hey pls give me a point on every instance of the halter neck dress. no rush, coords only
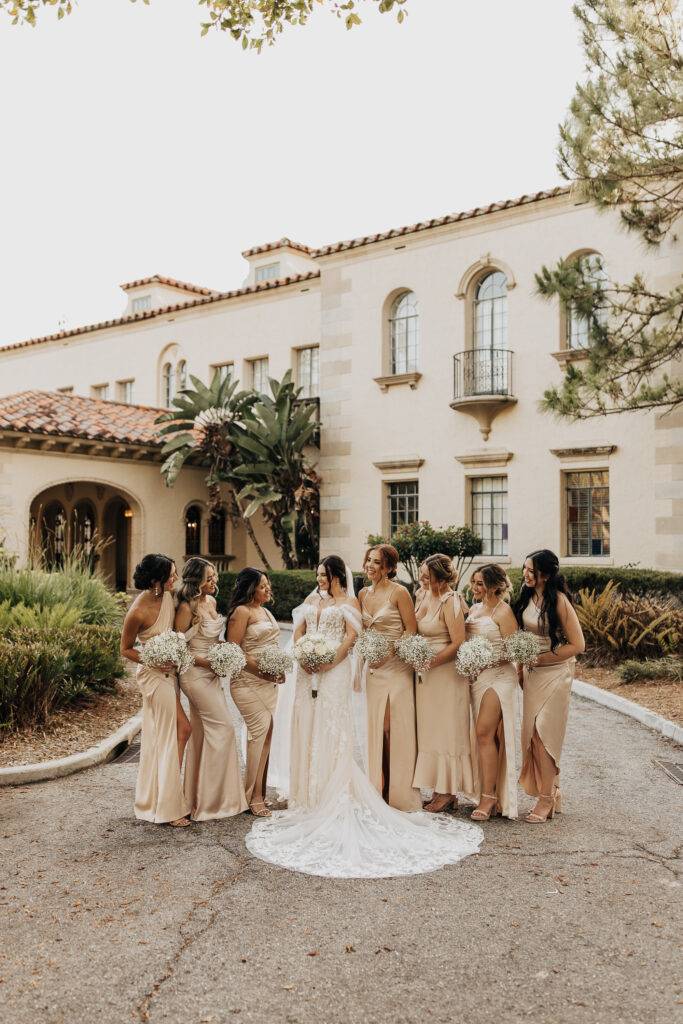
(159, 793)
(393, 684)
(502, 678)
(256, 698)
(213, 780)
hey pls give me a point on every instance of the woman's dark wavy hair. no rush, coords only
(152, 569)
(335, 568)
(245, 587)
(548, 564)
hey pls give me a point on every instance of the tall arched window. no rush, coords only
(217, 533)
(167, 382)
(578, 325)
(403, 321)
(181, 374)
(193, 530)
(490, 362)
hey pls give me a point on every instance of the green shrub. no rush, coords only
(74, 586)
(660, 668)
(616, 627)
(633, 582)
(290, 588)
(60, 615)
(416, 541)
(45, 669)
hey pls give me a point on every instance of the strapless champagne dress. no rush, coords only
(393, 682)
(159, 793)
(213, 780)
(256, 699)
(501, 678)
(547, 695)
(442, 700)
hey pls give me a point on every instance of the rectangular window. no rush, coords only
(259, 374)
(125, 391)
(225, 370)
(588, 513)
(100, 391)
(490, 513)
(308, 371)
(142, 303)
(267, 273)
(403, 505)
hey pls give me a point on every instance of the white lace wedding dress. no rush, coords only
(342, 828)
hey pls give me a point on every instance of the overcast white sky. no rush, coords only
(132, 147)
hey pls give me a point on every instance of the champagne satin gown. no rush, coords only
(442, 701)
(256, 699)
(547, 695)
(213, 780)
(393, 682)
(159, 793)
(501, 678)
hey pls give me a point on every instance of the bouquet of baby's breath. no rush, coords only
(415, 650)
(274, 662)
(165, 647)
(474, 656)
(226, 660)
(372, 646)
(522, 647)
(312, 650)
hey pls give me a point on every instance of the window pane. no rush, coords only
(259, 375)
(588, 513)
(489, 513)
(308, 371)
(267, 273)
(403, 504)
(403, 323)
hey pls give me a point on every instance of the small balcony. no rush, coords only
(482, 384)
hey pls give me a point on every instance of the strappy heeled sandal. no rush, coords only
(535, 819)
(451, 802)
(492, 812)
(180, 823)
(265, 813)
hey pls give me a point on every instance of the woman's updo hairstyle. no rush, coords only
(245, 587)
(193, 576)
(335, 568)
(441, 568)
(495, 579)
(152, 569)
(388, 555)
(546, 563)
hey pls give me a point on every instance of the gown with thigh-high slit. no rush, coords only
(213, 780)
(502, 679)
(349, 831)
(442, 701)
(256, 698)
(159, 793)
(547, 695)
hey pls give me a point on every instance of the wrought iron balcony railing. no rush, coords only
(482, 372)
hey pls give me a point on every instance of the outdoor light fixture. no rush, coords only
(128, 513)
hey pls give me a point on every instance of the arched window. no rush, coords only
(193, 530)
(217, 533)
(181, 375)
(167, 388)
(489, 317)
(578, 325)
(404, 331)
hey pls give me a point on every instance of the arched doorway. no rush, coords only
(116, 528)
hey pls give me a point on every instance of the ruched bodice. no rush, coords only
(259, 635)
(164, 619)
(531, 617)
(204, 634)
(484, 625)
(387, 620)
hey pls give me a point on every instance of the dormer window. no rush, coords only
(142, 303)
(268, 272)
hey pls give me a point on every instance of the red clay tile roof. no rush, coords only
(58, 415)
(284, 243)
(171, 283)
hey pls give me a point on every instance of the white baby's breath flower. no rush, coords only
(166, 647)
(474, 656)
(372, 646)
(226, 660)
(522, 647)
(274, 662)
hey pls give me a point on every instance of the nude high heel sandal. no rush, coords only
(536, 819)
(493, 812)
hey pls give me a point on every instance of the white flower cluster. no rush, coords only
(522, 647)
(415, 650)
(372, 646)
(474, 656)
(226, 660)
(213, 417)
(312, 650)
(274, 662)
(165, 647)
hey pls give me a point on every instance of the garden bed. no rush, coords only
(663, 696)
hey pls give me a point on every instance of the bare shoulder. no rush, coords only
(241, 614)
(362, 594)
(399, 592)
(352, 602)
(311, 599)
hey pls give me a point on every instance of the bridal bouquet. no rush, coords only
(226, 660)
(168, 646)
(372, 646)
(415, 650)
(522, 647)
(474, 656)
(312, 650)
(274, 662)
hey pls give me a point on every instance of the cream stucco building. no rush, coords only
(428, 350)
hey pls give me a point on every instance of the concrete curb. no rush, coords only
(101, 752)
(649, 719)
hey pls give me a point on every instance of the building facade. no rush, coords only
(428, 348)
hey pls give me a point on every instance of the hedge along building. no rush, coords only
(427, 349)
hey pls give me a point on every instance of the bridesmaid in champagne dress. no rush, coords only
(213, 781)
(545, 608)
(165, 729)
(494, 697)
(392, 747)
(442, 699)
(252, 626)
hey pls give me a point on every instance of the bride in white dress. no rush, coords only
(340, 827)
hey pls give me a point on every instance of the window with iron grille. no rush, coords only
(403, 505)
(308, 371)
(404, 324)
(490, 513)
(259, 375)
(588, 513)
